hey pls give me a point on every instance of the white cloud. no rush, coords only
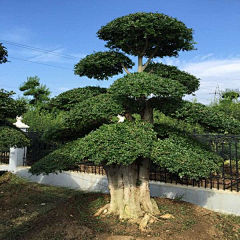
(215, 68)
(213, 71)
(17, 35)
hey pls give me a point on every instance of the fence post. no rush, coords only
(18, 155)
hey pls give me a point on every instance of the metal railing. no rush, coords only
(227, 146)
(4, 157)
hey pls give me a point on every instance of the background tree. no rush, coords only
(127, 149)
(39, 92)
(3, 54)
(10, 108)
(228, 104)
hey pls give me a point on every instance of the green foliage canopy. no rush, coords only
(3, 54)
(102, 65)
(124, 143)
(211, 119)
(148, 35)
(9, 107)
(32, 87)
(230, 94)
(144, 84)
(86, 116)
(119, 143)
(173, 73)
(183, 155)
(12, 137)
(66, 100)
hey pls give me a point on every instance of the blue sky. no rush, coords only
(69, 27)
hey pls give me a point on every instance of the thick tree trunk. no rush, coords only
(129, 185)
(129, 190)
(147, 113)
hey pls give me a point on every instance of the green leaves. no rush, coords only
(3, 54)
(119, 143)
(124, 143)
(173, 73)
(144, 84)
(66, 100)
(9, 107)
(186, 157)
(93, 112)
(40, 93)
(102, 65)
(12, 137)
(210, 118)
(147, 34)
(56, 161)
(85, 117)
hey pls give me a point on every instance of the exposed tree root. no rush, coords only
(130, 194)
(143, 222)
(102, 210)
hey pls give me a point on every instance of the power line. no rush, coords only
(40, 50)
(41, 63)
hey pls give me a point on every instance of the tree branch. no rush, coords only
(125, 69)
(140, 66)
(145, 47)
(150, 58)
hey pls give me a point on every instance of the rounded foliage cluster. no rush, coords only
(119, 143)
(172, 72)
(93, 112)
(57, 161)
(9, 107)
(184, 156)
(102, 65)
(147, 34)
(210, 118)
(230, 95)
(124, 143)
(84, 117)
(145, 84)
(66, 100)
(12, 137)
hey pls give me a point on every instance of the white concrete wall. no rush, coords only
(16, 156)
(213, 199)
(4, 167)
(75, 180)
(216, 200)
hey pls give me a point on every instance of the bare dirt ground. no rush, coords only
(34, 211)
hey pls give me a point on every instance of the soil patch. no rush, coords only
(34, 211)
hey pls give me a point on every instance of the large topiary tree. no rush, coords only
(126, 149)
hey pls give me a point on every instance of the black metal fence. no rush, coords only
(38, 148)
(227, 146)
(4, 157)
(227, 178)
